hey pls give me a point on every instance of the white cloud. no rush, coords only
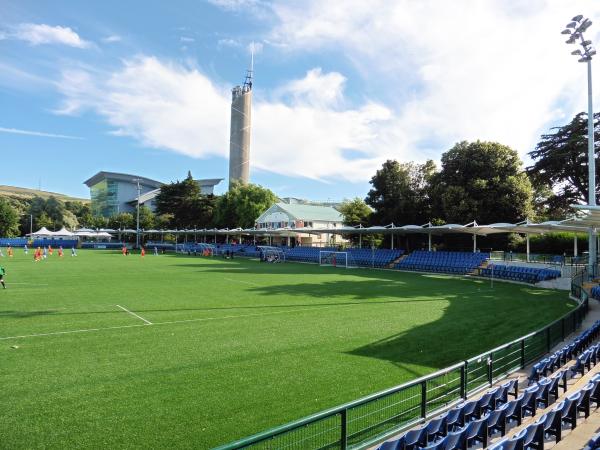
(37, 133)
(228, 42)
(112, 38)
(442, 71)
(176, 108)
(37, 34)
(489, 69)
(186, 39)
(235, 5)
(316, 89)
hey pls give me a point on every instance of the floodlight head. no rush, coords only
(565, 31)
(591, 53)
(577, 18)
(586, 43)
(576, 52)
(572, 25)
(571, 40)
(584, 59)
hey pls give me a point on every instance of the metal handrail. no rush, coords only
(482, 381)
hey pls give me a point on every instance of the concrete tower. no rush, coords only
(239, 137)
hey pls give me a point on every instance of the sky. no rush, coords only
(144, 87)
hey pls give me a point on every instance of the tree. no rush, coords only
(9, 220)
(400, 193)
(242, 204)
(121, 221)
(482, 181)
(185, 204)
(147, 218)
(355, 212)
(43, 220)
(560, 165)
(55, 215)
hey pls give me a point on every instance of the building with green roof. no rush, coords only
(296, 216)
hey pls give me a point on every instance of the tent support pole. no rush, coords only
(429, 234)
(527, 247)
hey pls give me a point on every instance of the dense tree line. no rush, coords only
(484, 182)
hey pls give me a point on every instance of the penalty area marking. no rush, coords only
(242, 281)
(171, 322)
(134, 314)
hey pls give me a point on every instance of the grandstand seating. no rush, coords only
(65, 243)
(474, 422)
(596, 292)
(566, 353)
(593, 443)
(14, 242)
(443, 261)
(102, 245)
(520, 273)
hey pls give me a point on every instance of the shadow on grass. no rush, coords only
(22, 314)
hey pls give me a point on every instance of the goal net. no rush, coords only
(206, 249)
(335, 259)
(271, 254)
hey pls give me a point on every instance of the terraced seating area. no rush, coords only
(595, 292)
(519, 273)
(476, 422)
(445, 262)
(14, 242)
(593, 443)
(366, 257)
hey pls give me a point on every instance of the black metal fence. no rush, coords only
(364, 422)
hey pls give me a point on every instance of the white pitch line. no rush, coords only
(85, 330)
(203, 319)
(242, 281)
(134, 314)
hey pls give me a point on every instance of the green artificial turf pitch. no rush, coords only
(235, 346)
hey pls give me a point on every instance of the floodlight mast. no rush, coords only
(137, 228)
(575, 30)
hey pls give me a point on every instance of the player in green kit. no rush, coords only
(2, 272)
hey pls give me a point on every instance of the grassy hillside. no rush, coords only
(19, 193)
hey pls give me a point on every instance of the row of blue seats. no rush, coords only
(550, 424)
(466, 424)
(480, 423)
(13, 242)
(593, 443)
(596, 292)
(445, 262)
(21, 242)
(101, 245)
(485, 418)
(586, 360)
(520, 273)
(566, 353)
(65, 243)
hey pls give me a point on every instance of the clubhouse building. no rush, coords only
(295, 216)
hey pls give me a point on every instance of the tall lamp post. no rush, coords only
(575, 30)
(30, 222)
(137, 228)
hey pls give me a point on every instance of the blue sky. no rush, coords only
(340, 86)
